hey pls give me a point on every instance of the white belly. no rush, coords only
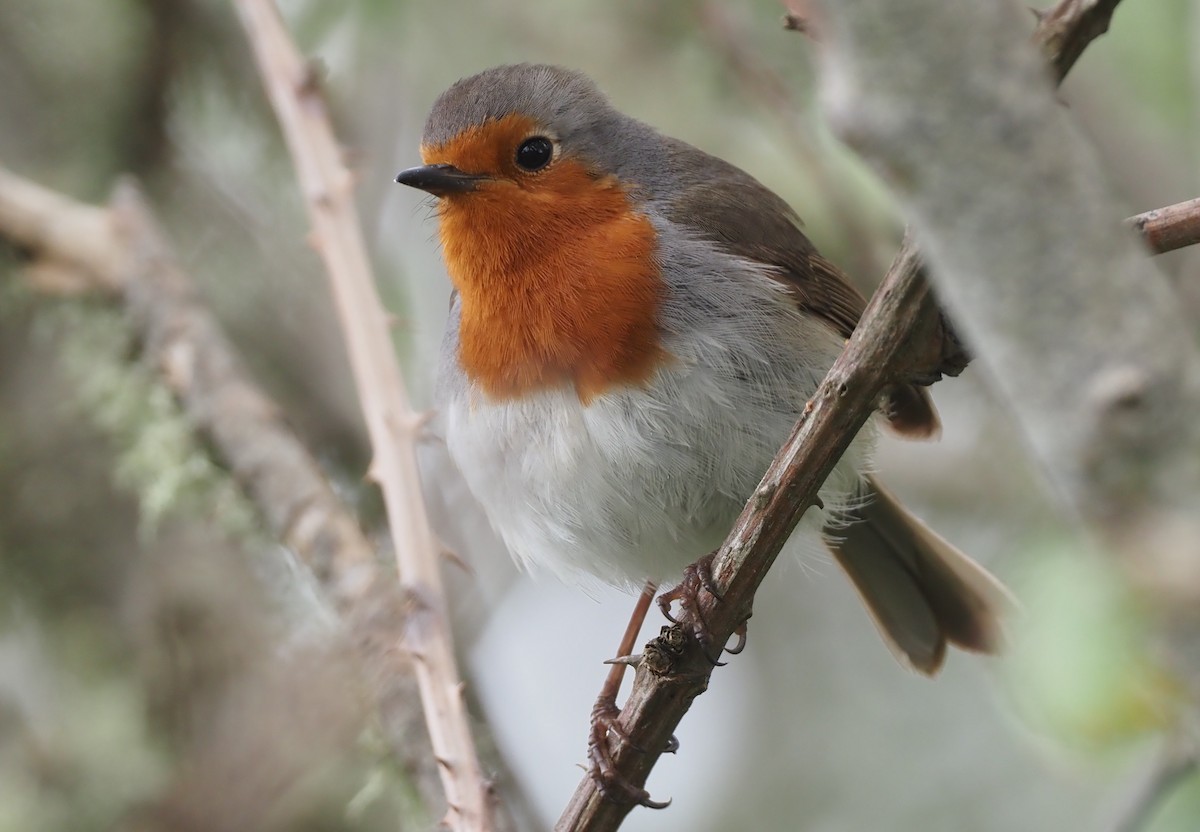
(635, 485)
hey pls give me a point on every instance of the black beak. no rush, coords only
(440, 179)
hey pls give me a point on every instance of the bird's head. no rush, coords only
(556, 266)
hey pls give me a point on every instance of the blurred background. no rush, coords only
(156, 644)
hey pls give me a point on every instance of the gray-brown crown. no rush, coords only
(566, 104)
(563, 101)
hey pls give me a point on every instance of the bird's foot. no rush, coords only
(696, 577)
(613, 785)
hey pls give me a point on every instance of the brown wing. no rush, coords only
(731, 208)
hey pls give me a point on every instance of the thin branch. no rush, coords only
(78, 241)
(327, 186)
(1166, 229)
(900, 337)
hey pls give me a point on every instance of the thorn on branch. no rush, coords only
(372, 474)
(794, 21)
(453, 557)
(420, 421)
(312, 81)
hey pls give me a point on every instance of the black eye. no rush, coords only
(535, 153)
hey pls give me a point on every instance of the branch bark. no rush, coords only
(327, 186)
(901, 337)
(1170, 228)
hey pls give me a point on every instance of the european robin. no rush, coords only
(636, 327)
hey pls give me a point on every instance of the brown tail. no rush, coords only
(921, 591)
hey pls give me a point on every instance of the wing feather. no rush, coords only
(733, 209)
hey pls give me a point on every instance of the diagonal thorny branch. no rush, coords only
(328, 190)
(900, 338)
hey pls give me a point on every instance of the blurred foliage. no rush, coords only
(1082, 666)
(145, 670)
(79, 758)
(158, 457)
(1160, 71)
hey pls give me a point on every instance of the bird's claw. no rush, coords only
(698, 576)
(613, 785)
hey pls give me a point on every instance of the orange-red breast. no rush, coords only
(636, 327)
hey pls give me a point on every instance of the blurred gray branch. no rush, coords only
(1077, 328)
(120, 250)
(1079, 332)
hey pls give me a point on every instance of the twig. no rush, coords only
(77, 241)
(393, 426)
(1166, 229)
(1065, 30)
(899, 338)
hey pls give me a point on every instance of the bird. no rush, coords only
(635, 328)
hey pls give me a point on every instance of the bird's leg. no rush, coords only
(605, 713)
(699, 576)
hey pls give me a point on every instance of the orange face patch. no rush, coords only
(557, 273)
(488, 148)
